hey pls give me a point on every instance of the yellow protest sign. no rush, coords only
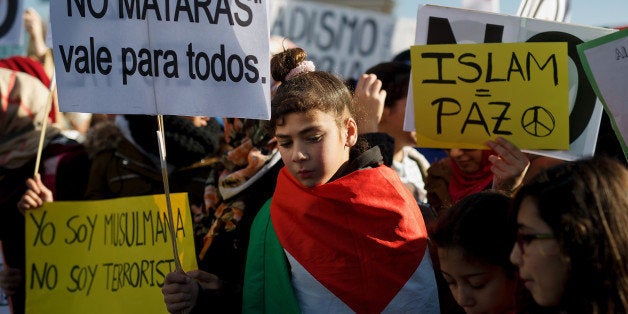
(466, 94)
(106, 256)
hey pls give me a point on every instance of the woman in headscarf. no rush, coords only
(467, 171)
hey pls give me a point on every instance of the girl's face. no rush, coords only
(543, 268)
(313, 147)
(468, 160)
(477, 286)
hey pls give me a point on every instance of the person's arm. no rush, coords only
(369, 99)
(509, 165)
(35, 28)
(36, 194)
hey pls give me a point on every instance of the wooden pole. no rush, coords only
(42, 134)
(164, 172)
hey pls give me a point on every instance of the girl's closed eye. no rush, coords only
(315, 138)
(285, 144)
(477, 284)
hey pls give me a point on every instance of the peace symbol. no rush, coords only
(538, 121)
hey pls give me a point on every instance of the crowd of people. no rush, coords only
(329, 207)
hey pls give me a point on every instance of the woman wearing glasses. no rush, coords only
(572, 226)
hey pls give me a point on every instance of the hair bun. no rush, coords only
(282, 63)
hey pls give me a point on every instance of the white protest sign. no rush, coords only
(442, 25)
(192, 58)
(403, 36)
(606, 62)
(341, 40)
(11, 29)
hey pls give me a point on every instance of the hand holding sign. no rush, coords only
(509, 166)
(180, 290)
(35, 196)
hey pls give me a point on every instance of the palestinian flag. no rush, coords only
(357, 244)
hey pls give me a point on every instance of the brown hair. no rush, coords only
(585, 203)
(310, 90)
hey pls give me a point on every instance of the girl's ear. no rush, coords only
(351, 136)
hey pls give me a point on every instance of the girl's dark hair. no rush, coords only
(306, 91)
(480, 226)
(585, 203)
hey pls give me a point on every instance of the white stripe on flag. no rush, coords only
(418, 295)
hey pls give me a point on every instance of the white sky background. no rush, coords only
(583, 12)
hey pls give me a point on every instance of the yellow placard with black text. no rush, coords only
(466, 94)
(107, 256)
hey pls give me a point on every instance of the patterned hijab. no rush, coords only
(23, 100)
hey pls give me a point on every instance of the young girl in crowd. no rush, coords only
(474, 240)
(572, 237)
(341, 233)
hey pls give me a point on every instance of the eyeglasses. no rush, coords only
(525, 239)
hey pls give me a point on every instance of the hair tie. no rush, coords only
(303, 67)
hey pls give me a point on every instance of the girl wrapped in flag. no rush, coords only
(341, 233)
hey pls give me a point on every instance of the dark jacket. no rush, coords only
(63, 167)
(120, 169)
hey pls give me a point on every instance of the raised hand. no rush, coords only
(509, 165)
(35, 28)
(369, 98)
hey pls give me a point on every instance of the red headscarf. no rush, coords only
(33, 68)
(463, 184)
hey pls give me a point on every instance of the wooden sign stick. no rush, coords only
(42, 134)
(164, 172)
